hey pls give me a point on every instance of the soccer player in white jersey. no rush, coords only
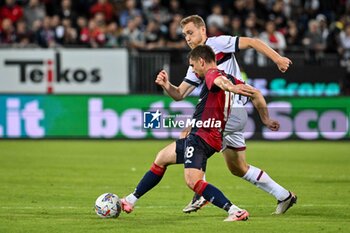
(194, 31)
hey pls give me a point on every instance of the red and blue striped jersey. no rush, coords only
(213, 109)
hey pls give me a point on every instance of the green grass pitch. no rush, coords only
(51, 186)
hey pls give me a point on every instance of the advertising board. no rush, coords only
(64, 71)
(127, 117)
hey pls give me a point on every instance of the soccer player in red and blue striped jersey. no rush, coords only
(205, 138)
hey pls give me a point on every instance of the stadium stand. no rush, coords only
(309, 31)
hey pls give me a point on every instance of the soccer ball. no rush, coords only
(108, 205)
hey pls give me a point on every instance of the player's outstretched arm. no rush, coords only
(282, 63)
(177, 93)
(227, 85)
(256, 96)
(259, 103)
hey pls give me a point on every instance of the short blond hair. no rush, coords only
(195, 19)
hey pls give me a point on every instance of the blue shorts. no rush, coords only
(193, 152)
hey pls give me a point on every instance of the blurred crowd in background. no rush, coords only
(315, 26)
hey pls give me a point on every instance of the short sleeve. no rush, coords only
(191, 78)
(225, 44)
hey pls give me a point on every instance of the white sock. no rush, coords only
(233, 209)
(131, 199)
(263, 181)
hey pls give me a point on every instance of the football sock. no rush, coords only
(149, 180)
(212, 194)
(196, 196)
(131, 199)
(263, 181)
(233, 209)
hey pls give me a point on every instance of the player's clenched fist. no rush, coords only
(283, 64)
(272, 125)
(162, 78)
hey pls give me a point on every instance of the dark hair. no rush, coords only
(204, 52)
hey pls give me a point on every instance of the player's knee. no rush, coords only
(163, 159)
(160, 159)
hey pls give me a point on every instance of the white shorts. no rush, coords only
(233, 137)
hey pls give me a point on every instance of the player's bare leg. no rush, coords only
(195, 182)
(237, 165)
(236, 162)
(196, 203)
(165, 157)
